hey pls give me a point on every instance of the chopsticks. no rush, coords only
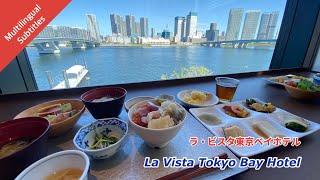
(191, 172)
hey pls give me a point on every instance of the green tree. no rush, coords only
(192, 71)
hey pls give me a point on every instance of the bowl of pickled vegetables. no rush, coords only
(62, 114)
(304, 89)
(101, 139)
(157, 122)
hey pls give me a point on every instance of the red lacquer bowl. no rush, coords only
(104, 109)
(34, 128)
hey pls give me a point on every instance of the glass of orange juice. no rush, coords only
(226, 88)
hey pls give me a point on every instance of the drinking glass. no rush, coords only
(226, 88)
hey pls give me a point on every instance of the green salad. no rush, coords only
(102, 141)
(306, 84)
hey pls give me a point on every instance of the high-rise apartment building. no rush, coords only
(213, 33)
(144, 27)
(137, 29)
(272, 25)
(116, 24)
(130, 25)
(213, 26)
(191, 24)
(250, 25)
(268, 25)
(179, 28)
(234, 24)
(93, 27)
(153, 33)
(166, 34)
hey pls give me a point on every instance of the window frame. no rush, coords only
(284, 45)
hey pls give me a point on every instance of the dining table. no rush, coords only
(128, 163)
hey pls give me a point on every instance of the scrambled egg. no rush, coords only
(195, 97)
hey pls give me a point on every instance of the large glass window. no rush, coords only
(122, 41)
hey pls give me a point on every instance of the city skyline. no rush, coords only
(160, 15)
(185, 28)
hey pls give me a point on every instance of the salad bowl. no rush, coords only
(305, 89)
(88, 138)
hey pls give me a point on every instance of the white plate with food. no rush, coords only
(197, 98)
(252, 118)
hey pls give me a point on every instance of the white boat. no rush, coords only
(72, 77)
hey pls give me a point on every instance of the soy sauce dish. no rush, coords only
(101, 139)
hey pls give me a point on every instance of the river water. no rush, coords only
(114, 65)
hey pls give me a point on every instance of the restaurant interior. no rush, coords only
(126, 130)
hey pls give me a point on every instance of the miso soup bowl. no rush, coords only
(36, 129)
(57, 162)
(105, 109)
(155, 138)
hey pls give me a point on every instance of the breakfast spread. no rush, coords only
(259, 121)
(158, 117)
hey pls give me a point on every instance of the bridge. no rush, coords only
(50, 45)
(236, 43)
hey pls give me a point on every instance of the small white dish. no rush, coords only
(56, 162)
(85, 137)
(211, 101)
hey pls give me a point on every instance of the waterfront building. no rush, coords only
(153, 33)
(130, 25)
(117, 25)
(272, 24)
(115, 21)
(153, 41)
(144, 27)
(166, 34)
(137, 29)
(213, 26)
(267, 25)
(179, 28)
(191, 24)
(116, 39)
(213, 33)
(93, 27)
(250, 25)
(234, 24)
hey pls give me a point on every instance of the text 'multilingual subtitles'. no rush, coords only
(28, 25)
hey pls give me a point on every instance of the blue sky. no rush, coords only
(161, 13)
